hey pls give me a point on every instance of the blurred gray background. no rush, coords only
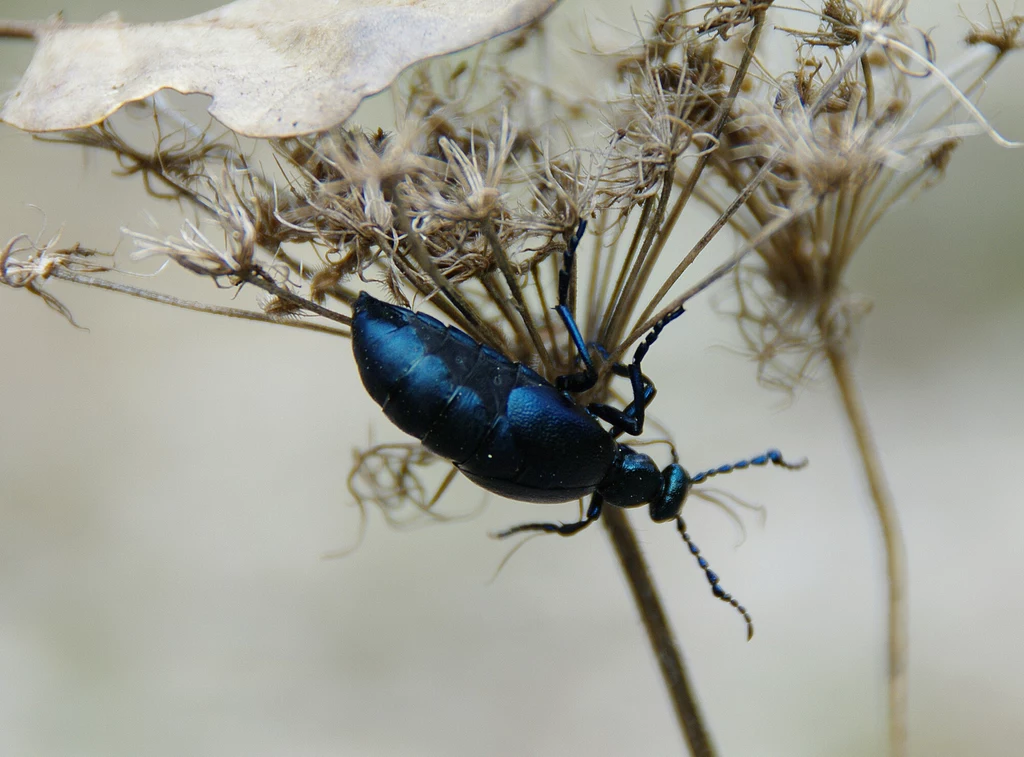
(169, 482)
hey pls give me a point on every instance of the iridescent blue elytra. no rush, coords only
(501, 423)
(513, 432)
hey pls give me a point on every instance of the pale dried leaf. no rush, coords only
(274, 68)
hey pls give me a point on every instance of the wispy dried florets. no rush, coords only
(468, 201)
(668, 112)
(27, 263)
(844, 137)
(798, 129)
(1000, 32)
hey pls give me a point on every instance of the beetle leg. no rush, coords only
(631, 420)
(585, 379)
(562, 529)
(648, 390)
(628, 421)
(582, 380)
(612, 414)
(617, 368)
(568, 262)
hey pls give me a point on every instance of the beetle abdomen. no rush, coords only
(500, 422)
(560, 452)
(406, 362)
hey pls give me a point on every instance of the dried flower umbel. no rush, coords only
(466, 205)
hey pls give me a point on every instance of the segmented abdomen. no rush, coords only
(500, 422)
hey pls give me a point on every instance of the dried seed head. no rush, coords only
(845, 141)
(672, 103)
(820, 156)
(25, 263)
(881, 14)
(561, 194)
(193, 250)
(725, 18)
(348, 171)
(1003, 34)
(469, 194)
(467, 202)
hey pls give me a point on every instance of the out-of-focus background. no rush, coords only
(169, 482)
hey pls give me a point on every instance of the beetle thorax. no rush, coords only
(632, 480)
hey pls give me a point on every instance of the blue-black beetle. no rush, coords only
(511, 431)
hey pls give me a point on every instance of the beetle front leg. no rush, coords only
(585, 379)
(562, 529)
(631, 420)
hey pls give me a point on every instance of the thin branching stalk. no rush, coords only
(198, 307)
(898, 637)
(659, 633)
(20, 29)
(693, 178)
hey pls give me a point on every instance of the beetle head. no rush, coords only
(676, 485)
(634, 480)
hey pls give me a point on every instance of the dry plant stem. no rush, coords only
(505, 266)
(258, 278)
(19, 29)
(766, 232)
(895, 551)
(200, 307)
(698, 169)
(478, 328)
(673, 670)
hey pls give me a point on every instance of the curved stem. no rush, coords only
(20, 29)
(663, 642)
(200, 307)
(895, 550)
(690, 185)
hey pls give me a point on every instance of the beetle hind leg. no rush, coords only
(562, 529)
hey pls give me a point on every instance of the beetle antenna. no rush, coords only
(772, 456)
(713, 579)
